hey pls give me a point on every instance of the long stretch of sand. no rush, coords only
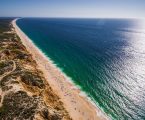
(77, 105)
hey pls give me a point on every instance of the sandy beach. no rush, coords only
(78, 106)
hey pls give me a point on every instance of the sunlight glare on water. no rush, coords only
(105, 57)
(132, 76)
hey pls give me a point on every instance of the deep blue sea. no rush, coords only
(105, 57)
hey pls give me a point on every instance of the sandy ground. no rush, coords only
(78, 106)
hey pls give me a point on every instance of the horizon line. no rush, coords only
(72, 17)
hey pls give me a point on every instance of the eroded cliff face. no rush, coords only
(24, 92)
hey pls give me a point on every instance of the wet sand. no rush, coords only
(78, 106)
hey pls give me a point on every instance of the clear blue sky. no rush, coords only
(73, 8)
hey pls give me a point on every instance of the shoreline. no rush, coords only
(78, 106)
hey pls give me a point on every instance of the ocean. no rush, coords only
(104, 57)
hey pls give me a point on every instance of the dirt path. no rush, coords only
(7, 73)
(2, 94)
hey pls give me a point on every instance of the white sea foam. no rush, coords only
(101, 113)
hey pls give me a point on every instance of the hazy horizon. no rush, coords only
(73, 8)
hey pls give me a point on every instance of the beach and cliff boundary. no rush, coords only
(78, 106)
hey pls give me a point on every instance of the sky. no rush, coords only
(73, 8)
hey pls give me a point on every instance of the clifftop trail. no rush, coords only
(24, 92)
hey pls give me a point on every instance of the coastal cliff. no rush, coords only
(24, 92)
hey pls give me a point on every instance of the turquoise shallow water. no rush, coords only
(105, 57)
